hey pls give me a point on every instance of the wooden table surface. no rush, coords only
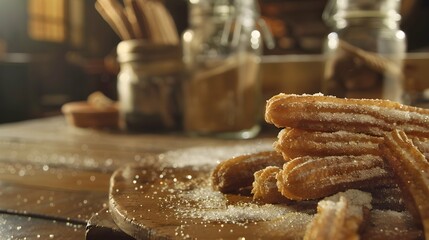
(54, 178)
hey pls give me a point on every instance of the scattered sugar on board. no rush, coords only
(199, 156)
(212, 206)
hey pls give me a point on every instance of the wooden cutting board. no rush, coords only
(171, 198)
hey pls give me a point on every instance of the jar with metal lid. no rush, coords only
(222, 49)
(365, 52)
(149, 86)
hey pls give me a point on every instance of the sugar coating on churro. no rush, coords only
(412, 173)
(327, 113)
(423, 145)
(339, 216)
(292, 143)
(236, 173)
(355, 197)
(265, 186)
(331, 146)
(310, 177)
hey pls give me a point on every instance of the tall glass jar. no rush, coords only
(365, 52)
(222, 49)
(149, 86)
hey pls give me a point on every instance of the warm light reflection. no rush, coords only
(400, 35)
(46, 20)
(332, 40)
(187, 36)
(255, 39)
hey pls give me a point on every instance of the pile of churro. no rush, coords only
(351, 156)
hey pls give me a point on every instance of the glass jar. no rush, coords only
(365, 52)
(222, 88)
(149, 86)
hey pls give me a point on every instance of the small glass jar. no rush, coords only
(222, 88)
(149, 86)
(365, 52)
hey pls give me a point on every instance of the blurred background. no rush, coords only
(57, 51)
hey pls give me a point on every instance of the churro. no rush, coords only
(330, 145)
(294, 143)
(309, 177)
(235, 174)
(412, 173)
(340, 216)
(423, 145)
(265, 186)
(330, 114)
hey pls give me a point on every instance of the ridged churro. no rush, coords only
(309, 177)
(340, 217)
(265, 186)
(330, 114)
(412, 173)
(423, 145)
(294, 143)
(330, 145)
(232, 175)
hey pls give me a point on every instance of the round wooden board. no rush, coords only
(170, 197)
(175, 201)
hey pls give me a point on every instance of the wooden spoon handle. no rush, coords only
(118, 16)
